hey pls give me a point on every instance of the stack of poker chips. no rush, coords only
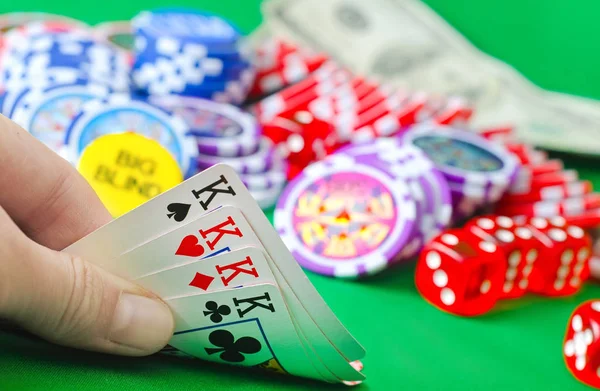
(190, 53)
(280, 64)
(49, 68)
(321, 106)
(371, 205)
(43, 54)
(363, 209)
(225, 134)
(543, 188)
(478, 171)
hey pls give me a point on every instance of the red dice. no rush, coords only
(461, 273)
(581, 347)
(564, 262)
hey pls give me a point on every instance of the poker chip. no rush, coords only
(478, 172)
(427, 186)
(544, 180)
(464, 157)
(128, 169)
(220, 129)
(12, 90)
(345, 218)
(279, 71)
(119, 33)
(37, 58)
(190, 53)
(265, 158)
(16, 19)
(268, 180)
(266, 198)
(549, 193)
(47, 113)
(567, 207)
(126, 113)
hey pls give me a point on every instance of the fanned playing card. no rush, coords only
(237, 294)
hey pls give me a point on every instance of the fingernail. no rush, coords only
(141, 323)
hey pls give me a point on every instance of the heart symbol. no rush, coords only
(178, 211)
(189, 247)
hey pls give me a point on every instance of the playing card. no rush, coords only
(213, 188)
(241, 266)
(248, 326)
(216, 232)
(246, 266)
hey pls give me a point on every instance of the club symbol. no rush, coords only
(177, 211)
(216, 311)
(230, 349)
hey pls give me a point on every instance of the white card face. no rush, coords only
(242, 267)
(246, 266)
(248, 326)
(217, 232)
(215, 187)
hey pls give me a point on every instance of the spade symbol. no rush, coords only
(178, 211)
(232, 350)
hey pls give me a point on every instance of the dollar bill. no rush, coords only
(406, 44)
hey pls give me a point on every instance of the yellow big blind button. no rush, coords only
(128, 169)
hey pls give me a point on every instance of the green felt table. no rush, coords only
(410, 344)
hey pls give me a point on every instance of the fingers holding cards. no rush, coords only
(238, 294)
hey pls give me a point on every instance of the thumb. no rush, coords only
(68, 301)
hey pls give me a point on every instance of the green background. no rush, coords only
(410, 344)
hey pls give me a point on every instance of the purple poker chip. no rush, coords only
(263, 160)
(220, 129)
(345, 218)
(442, 201)
(463, 156)
(428, 187)
(275, 178)
(465, 202)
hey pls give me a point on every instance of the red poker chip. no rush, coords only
(568, 207)
(293, 68)
(549, 193)
(299, 95)
(347, 102)
(345, 99)
(543, 180)
(526, 153)
(546, 167)
(446, 111)
(502, 135)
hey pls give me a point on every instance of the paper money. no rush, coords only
(406, 44)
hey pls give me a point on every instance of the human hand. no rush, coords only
(45, 205)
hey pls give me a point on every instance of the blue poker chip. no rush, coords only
(14, 86)
(187, 24)
(191, 53)
(100, 62)
(120, 113)
(47, 113)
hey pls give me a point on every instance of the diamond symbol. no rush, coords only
(201, 281)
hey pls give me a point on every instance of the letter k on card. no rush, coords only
(217, 232)
(242, 267)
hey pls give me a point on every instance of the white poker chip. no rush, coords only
(123, 113)
(47, 113)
